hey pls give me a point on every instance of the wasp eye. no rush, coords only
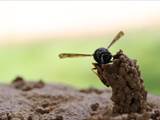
(102, 56)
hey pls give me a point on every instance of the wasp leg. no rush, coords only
(93, 70)
(94, 64)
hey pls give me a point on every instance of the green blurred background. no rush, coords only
(38, 58)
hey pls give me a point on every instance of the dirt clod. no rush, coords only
(59, 118)
(156, 115)
(19, 83)
(123, 75)
(90, 90)
(94, 106)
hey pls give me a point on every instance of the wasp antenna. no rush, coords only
(61, 55)
(72, 55)
(116, 38)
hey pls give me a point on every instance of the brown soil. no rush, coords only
(38, 101)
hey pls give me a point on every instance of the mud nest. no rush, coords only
(124, 77)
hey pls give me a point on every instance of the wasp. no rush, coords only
(101, 55)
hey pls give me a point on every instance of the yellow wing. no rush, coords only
(117, 37)
(73, 55)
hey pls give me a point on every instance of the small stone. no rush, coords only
(58, 117)
(94, 106)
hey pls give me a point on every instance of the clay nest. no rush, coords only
(124, 77)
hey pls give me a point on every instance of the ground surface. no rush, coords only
(38, 101)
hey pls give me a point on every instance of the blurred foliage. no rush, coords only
(40, 60)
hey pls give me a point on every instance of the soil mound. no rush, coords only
(24, 100)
